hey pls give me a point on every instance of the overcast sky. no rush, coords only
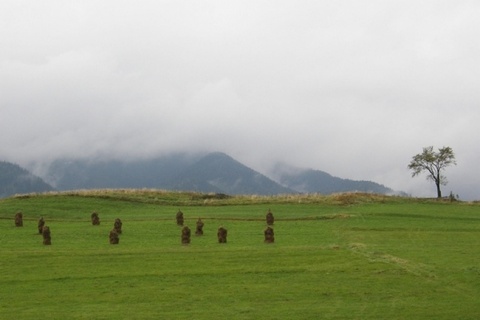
(353, 88)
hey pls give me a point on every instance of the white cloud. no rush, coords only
(355, 89)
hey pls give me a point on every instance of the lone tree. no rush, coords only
(433, 162)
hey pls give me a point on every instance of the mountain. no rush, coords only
(214, 172)
(316, 181)
(161, 173)
(218, 172)
(17, 180)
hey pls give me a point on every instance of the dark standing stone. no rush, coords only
(47, 239)
(19, 219)
(114, 239)
(95, 219)
(179, 217)
(117, 226)
(199, 229)
(269, 235)
(41, 223)
(222, 235)
(269, 217)
(186, 235)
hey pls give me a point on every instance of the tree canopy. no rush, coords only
(433, 163)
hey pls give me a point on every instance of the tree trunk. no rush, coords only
(439, 192)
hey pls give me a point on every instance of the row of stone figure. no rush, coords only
(114, 235)
(42, 228)
(222, 232)
(268, 217)
(117, 229)
(45, 230)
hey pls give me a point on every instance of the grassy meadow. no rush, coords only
(346, 256)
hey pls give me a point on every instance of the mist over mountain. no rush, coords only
(71, 174)
(218, 172)
(17, 180)
(202, 172)
(213, 172)
(317, 181)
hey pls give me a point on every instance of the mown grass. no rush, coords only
(348, 256)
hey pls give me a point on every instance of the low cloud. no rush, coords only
(352, 89)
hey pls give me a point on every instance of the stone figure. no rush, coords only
(186, 235)
(47, 239)
(117, 226)
(179, 217)
(269, 235)
(199, 229)
(222, 235)
(269, 217)
(95, 219)
(113, 236)
(19, 219)
(41, 223)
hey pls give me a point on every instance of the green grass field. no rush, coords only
(350, 256)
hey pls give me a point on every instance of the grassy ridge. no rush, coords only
(349, 256)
